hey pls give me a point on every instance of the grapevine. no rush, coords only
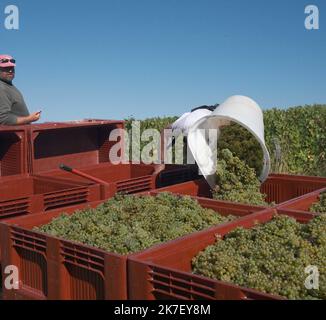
(301, 144)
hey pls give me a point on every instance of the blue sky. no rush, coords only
(116, 58)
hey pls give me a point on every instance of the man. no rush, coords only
(13, 109)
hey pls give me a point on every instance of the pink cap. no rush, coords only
(6, 64)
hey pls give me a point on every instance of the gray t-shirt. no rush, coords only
(12, 104)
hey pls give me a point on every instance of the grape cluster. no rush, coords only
(236, 181)
(319, 206)
(127, 224)
(269, 257)
(243, 144)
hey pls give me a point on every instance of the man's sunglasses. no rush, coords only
(7, 60)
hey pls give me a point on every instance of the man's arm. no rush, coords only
(26, 120)
(8, 118)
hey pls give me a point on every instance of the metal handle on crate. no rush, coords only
(82, 174)
(65, 168)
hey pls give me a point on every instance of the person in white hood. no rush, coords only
(201, 129)
(181, 127)
(185, 122)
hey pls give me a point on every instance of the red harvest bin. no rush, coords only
(128, 178)
(13, 150)
(164, 272)
(279, 188)
(303, 203)
(283, 187)
(27, 194)
(77, 144)
(53, 268)
(85, 145)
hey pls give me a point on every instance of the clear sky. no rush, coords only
(116, 58)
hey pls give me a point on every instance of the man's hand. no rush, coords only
(35, 116)
(29, 119)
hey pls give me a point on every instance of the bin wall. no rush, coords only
(164, 272)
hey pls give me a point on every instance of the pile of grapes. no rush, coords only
(270, 257)
(127, 224)
(320, 206)
(236, 181)
(243, 144)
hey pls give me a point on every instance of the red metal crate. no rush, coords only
(85, 145)
(303, 204)
(164, 271)
(13, 150)
(278, 188)
(53, 268)
(28, 194)
(32, 194)
(76, 143)
(283, 187)
(126, 178)
(129, 178)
